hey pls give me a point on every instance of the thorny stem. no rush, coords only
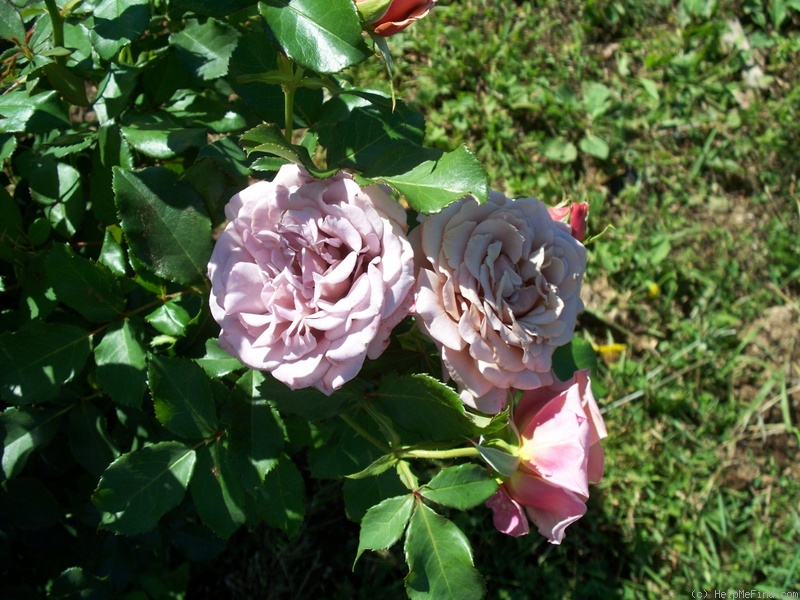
(58, 25)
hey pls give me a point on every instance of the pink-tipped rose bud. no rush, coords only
(577, 214)
(560, 429)
(387, 17)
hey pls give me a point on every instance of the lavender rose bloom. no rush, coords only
(498, 289)
(310, 276)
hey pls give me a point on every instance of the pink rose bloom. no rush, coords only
(560, 429)
(387, 17)
(310, 276)
(498, 289)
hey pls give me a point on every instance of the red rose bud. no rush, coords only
(387, 17)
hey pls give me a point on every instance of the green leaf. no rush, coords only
(381, 465)
(269, 139)
(560, 150)
(164, 222)
(461, 487)
(40, 113)
(321, 35)
(69, 86)
(121, 363)
(504, 463)
(384, 524)
(88, 438)
(309, 403)
(24, 430)
(85, 286)
(39, 359)
(344, 452)
(116, 24)
(440, 560)
(594, 145)
(182, 397)
(11, 24)
(216, 491)
(281, 500)
(114, 92)
(212, 8)
(217, 362)
(112, 254)
(650, 87)
(430, 179)
(583, 353)
(424, 405)
(595, 99)
(29, 505)
(162, 139)
(75, 582)
(59, 187)
(361, 494)
(357, 130)
(256, 432)
(112, 150)
(171, 318)
(138, 488)
(205, 48)
(567, 359)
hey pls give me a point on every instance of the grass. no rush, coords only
(683, 136)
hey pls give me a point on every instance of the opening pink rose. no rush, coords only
(387, 17)
(310, 276)
(560, 430)
(498, 289)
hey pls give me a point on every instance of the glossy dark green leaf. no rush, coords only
(40, 113)
(121, 363)
(11, 24)
(112, 254)
(162, 139)
(11, 230)
(69, 86)
(430, 179)
(345, 452)
(205, 48)
(171, 318)
(164, 223)
(307, 402)
(24, 430)
(256, 432)
(384, 524)
(38, 359)
(380, 465)
(281, 499)
(216, 491)
(426, 406)
(212, 8)
(8, 143)
(357, 130)
(440, 560)
(138, 488)
(321, 35)
(217, 362)
(89, 439)
(461, 487)
(269, 139)
(578, 354)
(182, 397)
(84, 285)
(59, 187)
(116, 24)
(38, 299)
(114, 92)
(362, 494)
(213, 110)
(77, 582)
(112, 150)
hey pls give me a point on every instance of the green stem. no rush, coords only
(58, 25)
(440, 454)
(289, 88)
(365, 434)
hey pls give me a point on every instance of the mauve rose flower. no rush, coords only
(310, 276)
(498, 289)
(387, 17)
(560, 429)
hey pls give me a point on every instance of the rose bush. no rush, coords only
(498, 289)
(387, 17)
(560, 429)
(310, 276)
